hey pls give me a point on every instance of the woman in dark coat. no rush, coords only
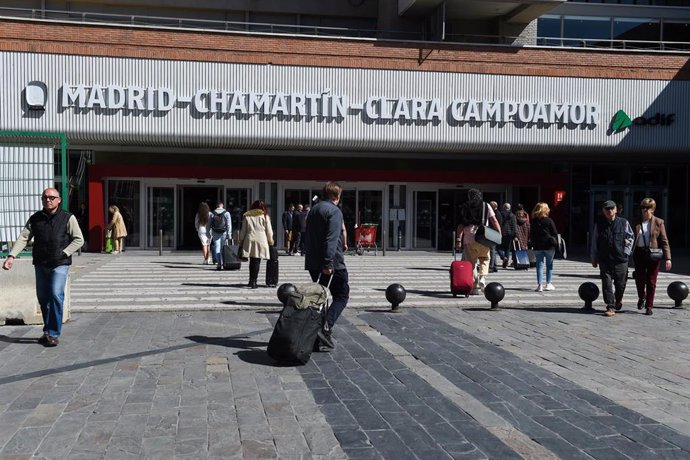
(544, 238)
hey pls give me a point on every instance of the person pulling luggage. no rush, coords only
(324, 255)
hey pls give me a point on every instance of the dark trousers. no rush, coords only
(340, 291)
(646, 272)
(613, 275)
(254, 266)
(299, 242)
(492, 259)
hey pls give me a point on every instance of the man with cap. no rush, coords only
(612, 241)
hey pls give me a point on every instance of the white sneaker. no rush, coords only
(550, 287)
(539, 288)
(481, 284)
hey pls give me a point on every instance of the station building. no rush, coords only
(406, 103)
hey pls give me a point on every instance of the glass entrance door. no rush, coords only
(424, 236)
(237, 201)
(160, 212)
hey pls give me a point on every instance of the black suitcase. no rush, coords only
(272, 268)
(294, 335)
(230, 259)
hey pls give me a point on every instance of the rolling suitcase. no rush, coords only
(461, 278)
(521, 257)
(296, 332)
(272, 268)
(230, 259)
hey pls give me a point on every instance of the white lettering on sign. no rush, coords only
(524, 112)
(286, 106)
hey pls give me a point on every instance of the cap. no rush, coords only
(608, 204)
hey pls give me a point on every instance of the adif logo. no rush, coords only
(622, 120)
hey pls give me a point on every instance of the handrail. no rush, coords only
(321, 31)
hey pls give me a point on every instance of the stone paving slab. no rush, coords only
(537, 379)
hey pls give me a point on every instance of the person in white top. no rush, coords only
(202, 229)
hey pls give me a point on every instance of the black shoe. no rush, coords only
(493, 270)
(505, 263)
(43, 339)
(640, 304)
(219, 267)
(618, 306)
(648, 312)
(51, 341)
(325, 338)
(253, 285)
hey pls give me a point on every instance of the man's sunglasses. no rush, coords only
(50, 197)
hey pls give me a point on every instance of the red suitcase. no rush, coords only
(461, 278)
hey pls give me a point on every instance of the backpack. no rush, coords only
(312, 295)
(218, 223)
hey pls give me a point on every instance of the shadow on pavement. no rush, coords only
(435, 294)
(230, 342)
(4, 338)
(215, 285)
(250, 304)
(428, 269)
(259, 357)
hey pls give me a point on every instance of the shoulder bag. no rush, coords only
(486, 235)
(651, 254)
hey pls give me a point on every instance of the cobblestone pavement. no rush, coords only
(165, 358)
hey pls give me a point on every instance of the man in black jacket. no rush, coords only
(508, 232)
(56, 236)
(324, 255)
(612, 241)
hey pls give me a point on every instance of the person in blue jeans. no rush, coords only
(544, 238)
(324, 255)
(56, 236)
(220, 227)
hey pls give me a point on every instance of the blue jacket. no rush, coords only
(323, 239)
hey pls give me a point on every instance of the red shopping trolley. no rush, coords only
(365, 238)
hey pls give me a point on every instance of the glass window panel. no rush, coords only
(425, 220)
(636, 33)
(549, 30)
(587, 29)
(161, 215)
(370, 205)
(397, 203)
(125, 195)
(676, 32)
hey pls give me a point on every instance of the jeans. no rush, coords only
(217, 241)
(50, 290)
(616, 275)
(541, 255)
(340, 290)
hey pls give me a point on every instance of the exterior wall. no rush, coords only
(140, 43)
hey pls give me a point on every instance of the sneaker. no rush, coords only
(43, 339)
(51, 341)
(481, 284)
(619, 305)
(325, 338)
(610, 312)
(640, 304)
(505, 263)
(648, 312)
(539, 288)
(550, 287)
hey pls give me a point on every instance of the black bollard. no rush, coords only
(588, 292)
(395, 294)
(494, 293)
(678, 291)
(284, 291)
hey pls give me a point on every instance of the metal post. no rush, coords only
(160, 242)
(383, 240)
(453, 244)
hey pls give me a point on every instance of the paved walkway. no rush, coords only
(165, 358)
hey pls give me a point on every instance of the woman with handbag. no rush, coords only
(650, 248)
(256, 236)
(544, 238)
